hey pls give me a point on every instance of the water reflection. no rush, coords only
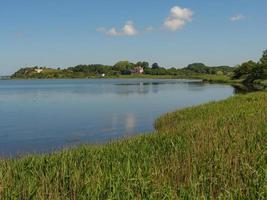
(43, 90)
(130, 124)
(42, 115)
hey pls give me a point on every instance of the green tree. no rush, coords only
(244, 70)
(198, 68)
(123, 66)
(143, 64)
(155, 66)
(263, 59)
(172, 71)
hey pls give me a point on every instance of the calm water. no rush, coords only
(44, 115)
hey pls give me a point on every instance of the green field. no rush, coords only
(212, 151)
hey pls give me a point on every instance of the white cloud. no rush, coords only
(178, 18)
(112, 32)
(237, 17)
(127, 30)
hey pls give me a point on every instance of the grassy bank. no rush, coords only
(216, 150)
(205, 77)
(211, 78)
(262, 84)
(216, 78)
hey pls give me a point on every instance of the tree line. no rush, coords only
(251, 71)
(120, 68)
(248, 71)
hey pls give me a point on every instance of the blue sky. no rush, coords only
(171, 32)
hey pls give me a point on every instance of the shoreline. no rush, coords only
(188, 144)
(258, 85)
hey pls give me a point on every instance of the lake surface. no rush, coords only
(45, 115)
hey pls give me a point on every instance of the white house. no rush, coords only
(38, 70)
(137, 70)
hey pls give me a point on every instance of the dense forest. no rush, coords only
(248, 72)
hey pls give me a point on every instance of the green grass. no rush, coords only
(212, 151)
(213, 78)
(262, 84)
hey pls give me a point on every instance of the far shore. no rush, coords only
(208, 78)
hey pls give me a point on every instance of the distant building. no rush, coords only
(38, 70)
(137, 70)
(103, 75)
